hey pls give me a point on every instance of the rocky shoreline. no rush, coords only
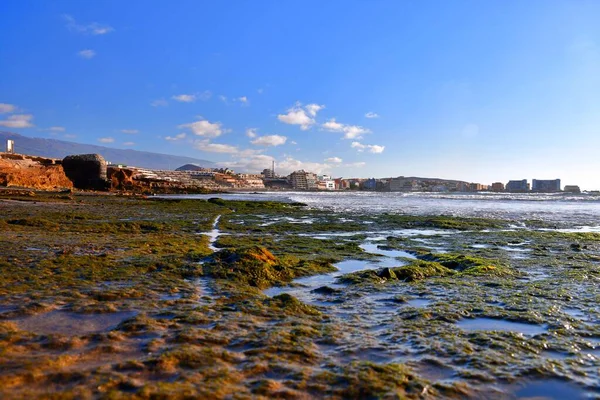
(125, 297)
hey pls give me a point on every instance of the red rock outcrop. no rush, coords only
(32, 172)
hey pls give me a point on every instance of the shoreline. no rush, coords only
(122, 295)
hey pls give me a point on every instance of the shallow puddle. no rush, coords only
(514, 249)
(555, 355)
(68, 323)
(213, 235)
(550, 389)
(374, 249)
(576, 313)
(493, 324)
(418, 303)
(309, 283)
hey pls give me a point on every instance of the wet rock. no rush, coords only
(257, 266)
(575, 247)
(326, 290)
(291, 305)
(387, 273)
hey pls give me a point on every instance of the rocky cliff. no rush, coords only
(32, 172)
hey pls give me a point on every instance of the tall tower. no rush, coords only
(273, 169)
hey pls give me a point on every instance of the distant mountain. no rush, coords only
(190, 167)
(53, 148)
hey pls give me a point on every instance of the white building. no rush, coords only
(326, 184)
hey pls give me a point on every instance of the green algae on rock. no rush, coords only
(433, 265)
(257, 266)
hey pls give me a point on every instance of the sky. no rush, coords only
(481, 91)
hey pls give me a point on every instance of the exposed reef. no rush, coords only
(126, 297)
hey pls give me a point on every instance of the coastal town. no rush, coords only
(306, 180)
(92, 171)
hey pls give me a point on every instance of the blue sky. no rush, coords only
(482, 91)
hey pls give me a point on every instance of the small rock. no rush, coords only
(387, 273)
(326, 290)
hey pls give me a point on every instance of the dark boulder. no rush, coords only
(387, 273)
(86, 171)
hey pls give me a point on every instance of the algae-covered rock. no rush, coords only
(387, 273)
(470, 265)
(419, 270)
(257, 266)
(367, 380)
(432, 265)
(326, 290)
(415, 271)
(291, 305)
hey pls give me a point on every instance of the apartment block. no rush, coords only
(518, 186)
(545, 185)
(302, 180)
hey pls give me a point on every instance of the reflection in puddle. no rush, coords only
(418, 303)
(555, 355)
(550, 389)
(537, 276)
(307, 284)
(576, 313)
(374, 249)
(214, 234)
(493, 324)
(515, 249)
(68, 323)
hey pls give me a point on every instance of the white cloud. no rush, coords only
(87, 54)
(260, 91)
(7, 108)
(106, 140)
(179, 136)
(252, 163)
(185, 98)
(350, 131)
(205, 145)
(335, 160)
(69, 136)
(359, 164)
(371, 148)
(54, 129)
(192, 97)
(333, 125)
(354, 131)
(371, 114)
(313, 109)
(297, 115)
(204, 128)
(128, 144)
(17, 121)
(251, 132)
(294, 142)
(270, 140)
(258, 162)
(130, 131)
(159, 103)
(290, 164)
(93, 28)
(243, 100)
(223, 98)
